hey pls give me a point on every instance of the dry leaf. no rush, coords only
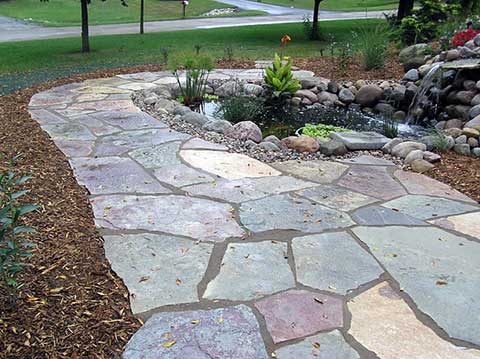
(169, 344)
(316, 344)
(441, 282)
(195, 321)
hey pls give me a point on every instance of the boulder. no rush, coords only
(431, 157)
(252, 90)
(471, 132)
(384, 108)
(367, 140)
(301, 143)
(453, 123)
(460, 140)
(472, 142)
(476, 152)
(308, 83)
(273, 139)
(469, 85)
(404, 148)
(465, 97)
(360, 83)
(411, 75)
(332, 87)
(296, 101)
(195, 118)
(428, 141)
(333, 148)
(452, 55)
(369, 95)
(399, 115)
(306, 94)
(474, 123)
(462, 149)
(414, 56)
(391, 144)
(414, 155)
(474, 111)
(454, 132)
(181, 110)
(219, 126)
(164, 105)
(327, 97)
(245, 130)
(150, 100)
(421, 166)
(346, 96)
(268, 146)
(229, 88)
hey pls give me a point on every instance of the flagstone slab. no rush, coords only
(289, 212)
(75, 148)
(105, 105)
(317, 171)
(97, 127)
(157, 156)
(69, 131)
(227, 165)
(129, 120)
(181, 215)
(361, 140)
(181, 175)
(438, 270)
(332, 345)
(123, 142)
(90, 97)
(246, 189)
(337, 197)
(468, 224)
(49, 98)
(333, 262)
(425, 207)
(381, 216)
(367, 160)
(251, 271)
(102, 90)
(136, 86)
(158, 270)
(416, 183)
(46, 117)
(141, 76)
(383, 323)
(374, 181)
(114, 175)
(200, 144)
(226, 333)
(297, 313)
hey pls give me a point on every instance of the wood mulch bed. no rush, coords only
(72, 305)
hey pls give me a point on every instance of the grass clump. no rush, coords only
(240, 108)
(373, 46)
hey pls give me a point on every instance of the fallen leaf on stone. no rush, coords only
(195, 321)
(144, 278)
(316, 344)
(393, 255)
(318, 300)
(169, 344)
(178, 281)
(441, 282)
(274, 355)
(220, 320)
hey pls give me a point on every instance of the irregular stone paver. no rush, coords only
(129, 120)
(157, 156)
(181, 175)
(381, 216)
(121, 143)
(317, 171)
(332, 346)
(75, 148)
(227, 165)
(246, 189)
(97, 127)
(298, 313)
(227, 333)
(468, 224)
(416, 183)
(425, 207)
(337, 197)
(251, 271)
(158, 270)
(69, 131)
(333, 262)
(384, 324)
(367, 160)
(288, 212)
(373, 181)
(438, 270)
(45, 117)
(186, 216)
(200, 144)
(114, 175)
(361, 140)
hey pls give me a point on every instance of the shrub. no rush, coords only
(240, 108)
(390, 128)
(196, 76)
(462, 37)
(373, 46)
(321, 130)
(14, 247)
(279, 78)
(440, 141)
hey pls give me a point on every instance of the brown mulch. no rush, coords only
(460, 172)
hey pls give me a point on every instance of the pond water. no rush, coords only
(283, 122)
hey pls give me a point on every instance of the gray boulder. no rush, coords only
(229, 88)
(268, 146)
(411, 75)
(327, 97)
(181, 110)
(404, 148)
(195, 118)
(462, 149)
(306, 94)
(413, 56)
(245, 130)
(465, 97)
(369, 95)
(332, 148)
(460, 140)
(391, 144)
(346, 96)
(273, 139)
(252, 90)
(219, 126)
(414, 155)
(474, 123)
(476, 152)
(421, 166)
(384, 108)
(474, 111)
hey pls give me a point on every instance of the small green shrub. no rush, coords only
(279, 78)
(14, 247)
(373, 46)
(390, 128)
(345, 56)
(440, 141)
(240, 108)
(196, 75)
(321, 130)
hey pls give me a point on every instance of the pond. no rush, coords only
(284, 121)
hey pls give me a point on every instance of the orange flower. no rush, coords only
(285, 39)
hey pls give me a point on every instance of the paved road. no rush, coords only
(13, 30)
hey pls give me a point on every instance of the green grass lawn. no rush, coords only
(339, 5)
(67, 12)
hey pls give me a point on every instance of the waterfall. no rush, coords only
(432, 76)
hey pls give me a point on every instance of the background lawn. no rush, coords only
(339, 5)
(67, 12)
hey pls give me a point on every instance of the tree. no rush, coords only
(315, 35)
(142, 15)
(405, 8)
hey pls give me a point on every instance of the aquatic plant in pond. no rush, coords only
(321, 130)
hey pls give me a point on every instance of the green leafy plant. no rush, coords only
(373, 46)
(321, 130)
(240, 108)
(390, 128)
(196, 75)
(14, 247)
(279, 78)
(344, 57)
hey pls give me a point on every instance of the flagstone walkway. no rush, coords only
(229, 257)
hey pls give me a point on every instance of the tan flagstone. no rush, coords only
(385, 324)
(464, 223)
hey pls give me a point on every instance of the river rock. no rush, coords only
(404, 148)
(421, 166)
(470, 132)
(327, 97)
(453, 123)
(308, 83)
(476, 152)
(268, 146)
(411, 75)
(229, 88)
(465, 97)
(346, 96)
(219, 126)
(460, 140)
(399, 115)
(474, 111)
(301, 143)
(384, 108)
(469, 85)
(245, 130)
(252, 90)
(195, 118)
(306, 94)
(414, 155)
(273, 139)
(431, 157)
(369, 95)
(333, 148)
(181, 110)
(454, 132)
(414, 56)
(462, 149)
(391, 144)
(472, 142)
(452, 55)
(474, 123)
(332, 87)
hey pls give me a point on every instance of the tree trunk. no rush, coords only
(142, 15)
(85, 40)
(315, 33)
(405, 8)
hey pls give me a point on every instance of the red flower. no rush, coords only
(462, 37)
(285, 39)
